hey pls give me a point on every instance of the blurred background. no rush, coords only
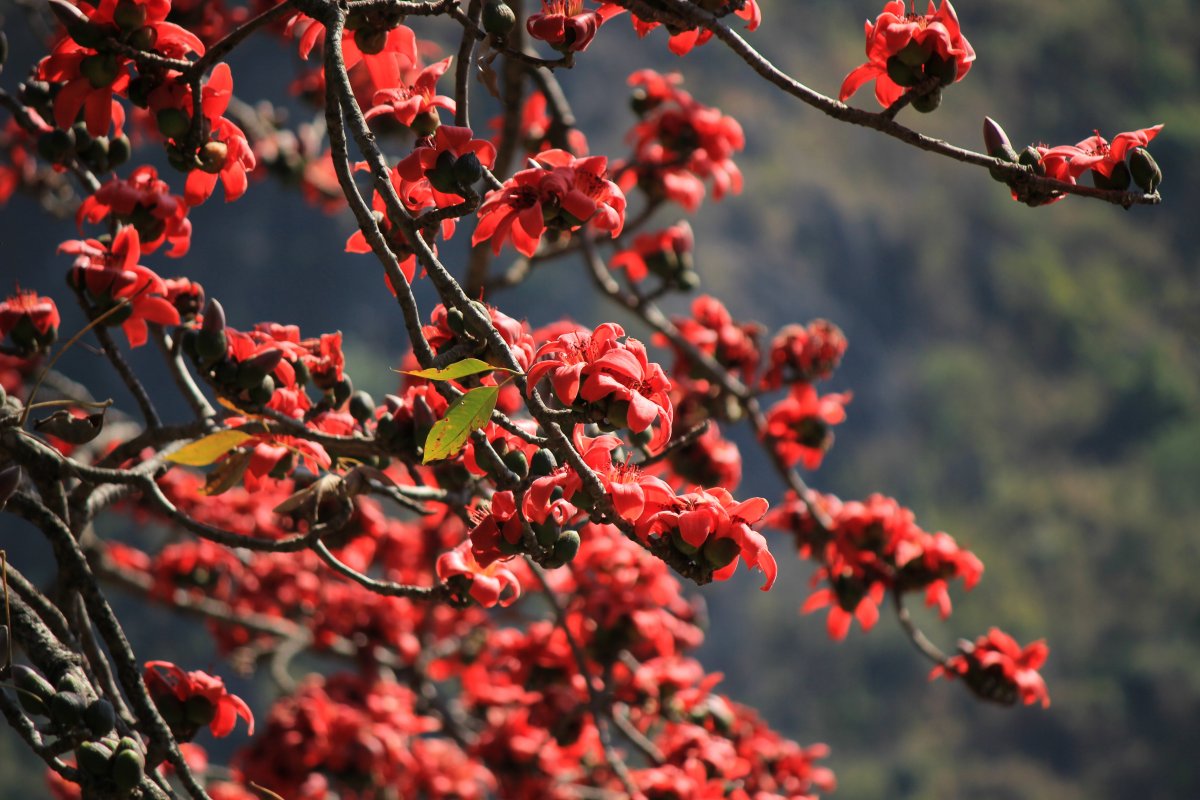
(1024, 379)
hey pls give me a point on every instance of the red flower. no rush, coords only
(145, 202)
(226, 154)
(1067, 162)
(487, 585)
(110, 274)
(712, 330)
(666, 253)
(711, 526)
(910, 46)
(612, 374)
(565, 26)
(561, 192)
(383, 51)
(188, 700)
(846, 602)
(31, 321)
(996, 668)
(408, 102)
(806, 354)
(683, 39)
(799, 424)
(434, 168)
(680, 143)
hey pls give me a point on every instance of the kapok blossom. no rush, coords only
(29, 320)
(684, 36)
(714, 528)
(667, 253)
(431, 167)
(806, 353)
(225, 154)
(146, 203)
(561, 192)
(1068, 162)
(194, 699)
(681, 143)
(996, 668)
(414, 103)
(798, 426)
(909, 41)
(566, 26)
(610, 375)
(110, 274)
(488, 585)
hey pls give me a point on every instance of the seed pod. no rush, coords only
(342, 391)
(211, 342)
(69, 428)
(119, 151)
(67, 709)
(371, 40)
(56, 146)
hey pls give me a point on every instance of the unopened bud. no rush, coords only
(1145, 170)
(371, 40)
(1118, 180)
(362, 406)
(566, 547)
(902, 74)
(944, 69)
(468, 170)
(928, 102)
(172, 122)
(100, 69)
(498, 18)
(996, 142)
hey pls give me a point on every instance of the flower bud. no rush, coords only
(144, 38)
(93, 758)
(1144, 169)
(127, 769)
(546, 532)
(362, 406)
(342, 390)
(35, 691)
(468, 170)
(56, 146)
(261, 394)
(100, 717)
(1030, 157)
(996, 142)
(567, 546)
(944, 69)
(516, 461)
(67, 708)
(119, 151)
(441, 177)
(498, 18)
(543, 463)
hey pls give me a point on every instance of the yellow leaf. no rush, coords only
(203, 452)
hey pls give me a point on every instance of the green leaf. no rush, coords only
(203, 452)
(459, 369)
(468, 413)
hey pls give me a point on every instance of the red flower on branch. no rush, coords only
(146, 203)
(1067, 162)
(667, 253)
(29, 321)
(903, 48)
(189, 700)
(445, 167)
(486, 585)
(566, 26)
(414, 104)
(110, 274)
(561, 193)
(611, 376)
(683, 38)
(996, 668)
(798, 426)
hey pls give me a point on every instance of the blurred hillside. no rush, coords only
(1025, 379)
